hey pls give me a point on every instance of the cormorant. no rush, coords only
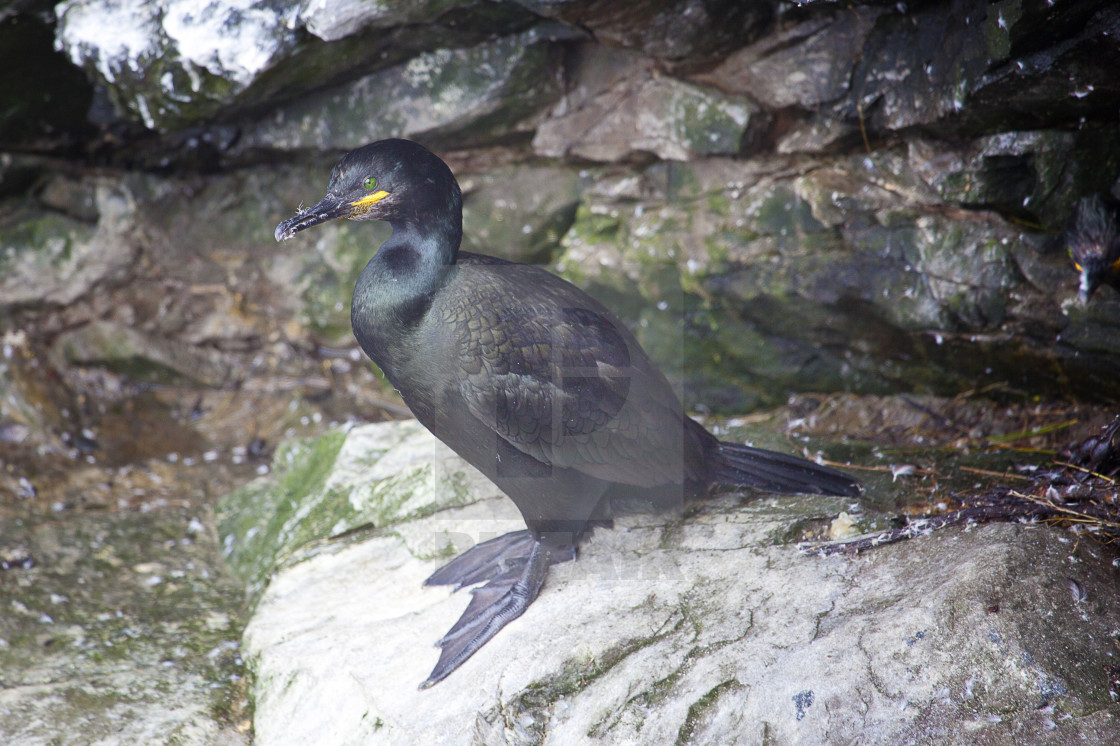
(1093, 239)
(526, 377)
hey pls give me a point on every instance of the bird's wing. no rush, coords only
(556, 376)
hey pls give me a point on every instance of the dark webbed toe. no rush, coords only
(492, 606)
(485, 561)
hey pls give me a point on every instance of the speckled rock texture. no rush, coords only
(707, 629)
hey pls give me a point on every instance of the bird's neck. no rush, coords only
(436, 241)
(396, 288)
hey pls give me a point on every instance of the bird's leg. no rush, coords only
(485, 560)
(495, 557)
(515, 565)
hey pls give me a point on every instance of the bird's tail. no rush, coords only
(778, 472)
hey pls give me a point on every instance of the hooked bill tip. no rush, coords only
(328, 208)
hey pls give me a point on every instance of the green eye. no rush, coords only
(370, 183)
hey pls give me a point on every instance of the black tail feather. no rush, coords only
(778, 472)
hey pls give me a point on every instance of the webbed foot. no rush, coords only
(515, 565)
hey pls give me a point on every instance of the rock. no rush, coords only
(843, 75)
(33, 395)
(341, 19)
(755, 279)
(439, 97)
(175, 62)
(622, 108)
(118, 628)
(1031, 175)
(955, 63)
(173, 65)
(709, 629)
(519, 213)
(347, 41)
(377, 475)
(682, 33)
(805, 64)
(145, 357)
(1058, 66)
(47, 258)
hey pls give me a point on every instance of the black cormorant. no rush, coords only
(527, 378)
(1093, 239)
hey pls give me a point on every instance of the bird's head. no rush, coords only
(398, 181)
(1093, 241)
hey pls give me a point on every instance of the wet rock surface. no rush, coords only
(711, 628)
(118, 628)
(622, 108)
(446, 95)
(777, 198)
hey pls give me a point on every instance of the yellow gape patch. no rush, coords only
(363, 205)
